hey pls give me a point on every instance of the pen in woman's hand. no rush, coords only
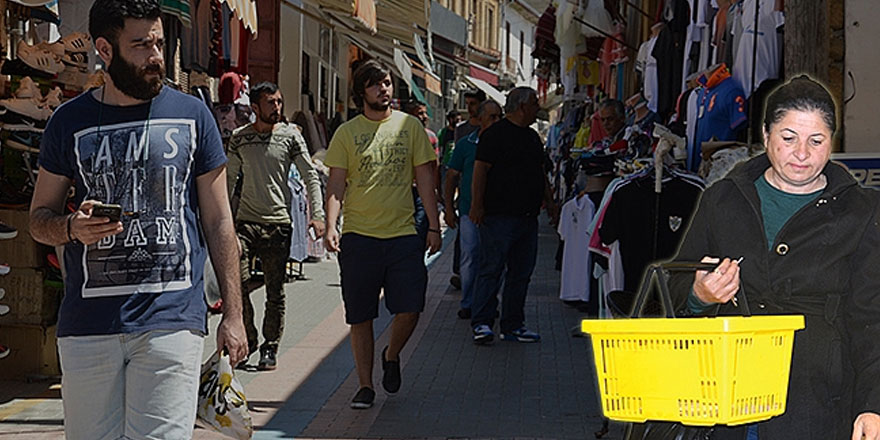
(734, 296)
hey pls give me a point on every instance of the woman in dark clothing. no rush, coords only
(809, 238)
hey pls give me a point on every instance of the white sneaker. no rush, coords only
(53, 98)
(31, 108)
(39, 58)
(77, 42)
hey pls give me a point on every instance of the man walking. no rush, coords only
(509, 184)
(461, 168)
(373, 159)
(262, 153)
(132, 321)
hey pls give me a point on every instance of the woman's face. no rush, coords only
(798, 146)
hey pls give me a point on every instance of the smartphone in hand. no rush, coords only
(113, 212)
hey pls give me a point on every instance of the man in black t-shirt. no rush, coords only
(509, 184)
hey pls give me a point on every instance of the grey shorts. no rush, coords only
(369, 265)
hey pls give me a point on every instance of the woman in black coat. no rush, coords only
(809, 238)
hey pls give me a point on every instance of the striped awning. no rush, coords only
(246, 11)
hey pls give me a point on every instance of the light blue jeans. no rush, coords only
(130, 385)
(469, 237)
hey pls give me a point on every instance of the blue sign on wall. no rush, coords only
(865, 167)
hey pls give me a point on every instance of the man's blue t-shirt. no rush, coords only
(721, 110)
(149, 277)
(463, 161)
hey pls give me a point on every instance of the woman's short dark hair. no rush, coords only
(107, 17)
(263, 88)
(804, 94)
(369, 73)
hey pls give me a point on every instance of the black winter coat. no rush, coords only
(824, 264)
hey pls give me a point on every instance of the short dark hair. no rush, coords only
(263, 88)
(369, 73)
(616, 105)
(452, 114)
(107, 17)
(803, 94)
(479, 95)
(412, 106)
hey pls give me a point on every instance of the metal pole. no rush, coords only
(754, 68)
(607, 35)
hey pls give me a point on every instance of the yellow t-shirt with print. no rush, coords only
(379, 158)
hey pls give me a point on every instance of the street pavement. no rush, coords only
(451, 387)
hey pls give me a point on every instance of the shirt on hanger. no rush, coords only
(574, 220)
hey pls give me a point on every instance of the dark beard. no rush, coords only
(272, 119)
(129, 79)
(377, 106)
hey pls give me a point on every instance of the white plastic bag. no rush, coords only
(222, 404)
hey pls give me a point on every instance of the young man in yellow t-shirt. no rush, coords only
(373, 160)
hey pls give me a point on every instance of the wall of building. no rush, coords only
(290, 75)
(516, 41)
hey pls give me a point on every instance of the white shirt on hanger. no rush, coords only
(574, 222)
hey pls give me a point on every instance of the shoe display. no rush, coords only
(483, 335)
(4, 309)
(455, 281)
(2, 290)
(363, 399)
(464, 313)
(31, 107)
(7, 232)
(4, 351)
(267, 360)
(76, 42)
(27, 88)
(521, 334)
(40, 58)
(391, 373)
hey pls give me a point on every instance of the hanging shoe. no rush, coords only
(4, 351)
(31, 107)
(39, 59)
(27, 88)
(56, 49)
(76, 59)
(4, 309)
(53, 99)
(4, 269)
(77, 42)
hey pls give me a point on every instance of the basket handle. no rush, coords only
(660, 272)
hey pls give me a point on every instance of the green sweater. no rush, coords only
(264, 160)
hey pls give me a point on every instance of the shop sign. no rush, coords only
(865, 167)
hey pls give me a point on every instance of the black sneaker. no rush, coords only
(267, 360)
(391, 377)
(363, 399)
(464, 313)
(7, 232)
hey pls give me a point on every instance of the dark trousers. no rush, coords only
(270, 242)
(511, 243)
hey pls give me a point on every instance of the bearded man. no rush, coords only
(260, 156)
(133, 318)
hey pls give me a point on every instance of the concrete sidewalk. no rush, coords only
(451, 388)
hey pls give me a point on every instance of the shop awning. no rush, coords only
(483, 74)
(246, 11)
(490, 91)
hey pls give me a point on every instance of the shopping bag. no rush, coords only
(222, 404)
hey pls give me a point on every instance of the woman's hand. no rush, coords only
(867, 426)
(718, 286)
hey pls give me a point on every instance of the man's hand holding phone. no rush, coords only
(93, 221)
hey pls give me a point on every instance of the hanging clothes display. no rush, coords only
(647, 64)
(669, 52)
(298, 216)
(649, 225)
(721, 112)
(574, 220)
(767, 56)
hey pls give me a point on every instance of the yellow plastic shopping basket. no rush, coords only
(698, 371)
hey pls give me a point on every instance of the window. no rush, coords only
(522, 39)
(507, 43)
(490, 31)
